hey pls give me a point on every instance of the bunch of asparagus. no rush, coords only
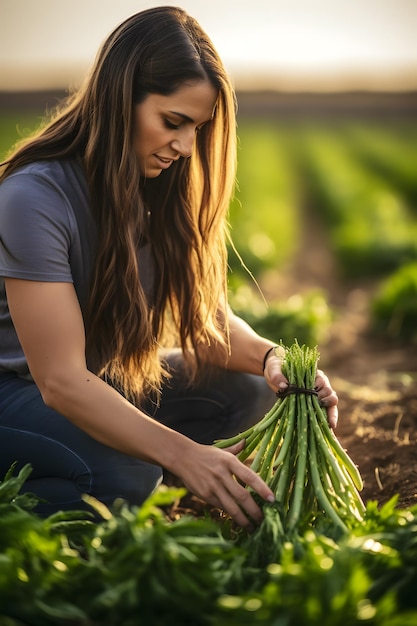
(297, 454)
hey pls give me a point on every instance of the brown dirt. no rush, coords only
(378, 417)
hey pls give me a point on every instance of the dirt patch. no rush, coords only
(376, 385)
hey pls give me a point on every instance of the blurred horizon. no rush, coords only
(303, 45)
(69, 77)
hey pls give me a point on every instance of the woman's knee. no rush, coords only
(62, 475)
(119, 482)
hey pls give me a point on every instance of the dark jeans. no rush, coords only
(67, 462)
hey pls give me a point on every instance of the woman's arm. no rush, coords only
(50, 327)
(248, 350)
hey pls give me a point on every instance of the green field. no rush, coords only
(14, 127)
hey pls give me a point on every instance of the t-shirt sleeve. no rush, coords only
(35, 230)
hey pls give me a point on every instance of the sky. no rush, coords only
(283, 44)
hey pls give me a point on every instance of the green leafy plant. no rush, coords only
(370, 226)
(307, 317)
(137, 566)
(394, 306)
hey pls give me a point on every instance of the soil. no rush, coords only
(376, 385)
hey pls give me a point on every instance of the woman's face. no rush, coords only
(165, 126)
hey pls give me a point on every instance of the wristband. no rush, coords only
(267, 353)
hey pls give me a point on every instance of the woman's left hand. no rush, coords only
(326, 395)
(328, 398)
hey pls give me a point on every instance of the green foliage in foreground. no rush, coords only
(136, 567)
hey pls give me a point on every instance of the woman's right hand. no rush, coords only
(219, 478)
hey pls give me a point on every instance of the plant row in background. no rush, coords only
(361, 181)
(393, 155)
(137, 567)
(371, 226)
(265, 213)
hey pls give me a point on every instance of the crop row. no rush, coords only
(360, 183)
(265, 213)
(392, 155)
(371, 226)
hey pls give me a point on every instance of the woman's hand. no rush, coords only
(328, 398)
(277, 381)
(219, 478)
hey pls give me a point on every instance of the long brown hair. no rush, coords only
(182, 213)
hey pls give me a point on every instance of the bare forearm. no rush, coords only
(247, 349)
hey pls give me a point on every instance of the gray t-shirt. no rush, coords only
(46, 234)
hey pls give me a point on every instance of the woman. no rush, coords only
(119, 356)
